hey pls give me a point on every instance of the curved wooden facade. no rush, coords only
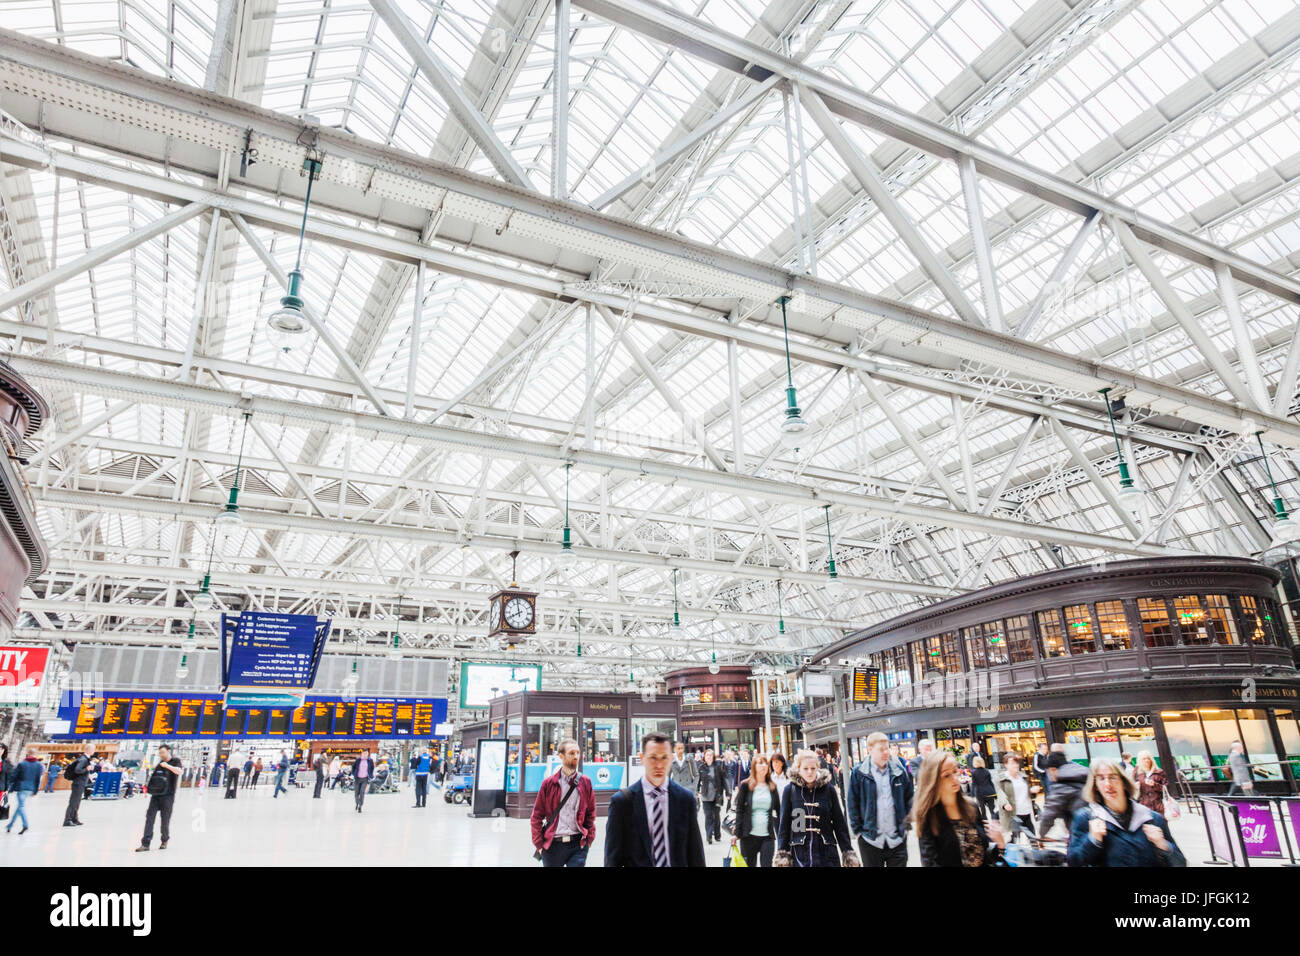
(22, 551)
(1152, 654)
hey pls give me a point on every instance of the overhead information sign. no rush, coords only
(206, 715)
(866, 685)
(272, 658)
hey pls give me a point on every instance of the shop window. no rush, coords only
(927, 655)
(734, 692)
(1020, 639)
(1069, 730)
(602, 741)
(1114, 626)
(1103, 739)
(1134, 739)
(1157, 626)
(1220, 731)
(690, 696)
(1252, 620)
(1192, 620)
(950, 653)
(514, 738)
(1187, 744)
(1051, 633)
(1258, 741)
(543, 737)
(973, 638)
(1275, 623)
(996, 641)
(1078, 624)
(1223, 629)
(902, 675)
(647, 725)
(1289, 729)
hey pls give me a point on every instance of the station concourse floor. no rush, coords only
(297, 830)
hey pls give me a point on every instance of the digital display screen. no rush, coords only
(383, 718)
(187, 717)
(866, 685)
(115, 716)
(404, 719)
(138, 722)
(203, 715)
(211, 718)
(88, 716)
(234, 726)
(479, 683)
(364, 724)
(256, 722)
(343, 720)
(164, 718)
(423, 720)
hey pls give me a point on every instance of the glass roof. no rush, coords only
(1184, 112)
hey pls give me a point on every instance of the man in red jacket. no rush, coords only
(564, 814)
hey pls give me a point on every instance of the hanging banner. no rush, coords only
(22, 674)
(272, 658)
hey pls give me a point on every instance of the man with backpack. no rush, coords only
(77, 773)
(162, 794)
(1065, 796)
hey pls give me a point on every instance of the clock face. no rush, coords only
(495, 616)
(519, 613)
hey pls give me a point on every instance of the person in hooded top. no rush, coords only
(813, 831)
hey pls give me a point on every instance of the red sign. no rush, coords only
(22, 673)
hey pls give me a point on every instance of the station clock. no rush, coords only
(512, 612)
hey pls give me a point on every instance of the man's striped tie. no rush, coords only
(658, 834)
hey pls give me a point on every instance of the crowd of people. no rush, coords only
(805, 813)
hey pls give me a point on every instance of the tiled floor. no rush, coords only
(255, 830)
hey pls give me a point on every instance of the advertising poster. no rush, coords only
(479, 683)
(22, 674)
(1258, 828)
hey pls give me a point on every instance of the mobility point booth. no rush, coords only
(608, 728)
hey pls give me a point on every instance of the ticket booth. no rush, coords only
(608, 728)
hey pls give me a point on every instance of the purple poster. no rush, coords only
(1214, 823)
(1293, 807)
(1258, 829)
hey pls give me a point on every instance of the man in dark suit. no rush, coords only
(653, 822)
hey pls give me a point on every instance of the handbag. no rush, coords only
(4, 808)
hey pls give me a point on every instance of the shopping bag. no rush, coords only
(735, 858)
(4, 808)
(1173, 809)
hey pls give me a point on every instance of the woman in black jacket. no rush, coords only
(820, 837)
(758, 811)
(981, 785)
(949, 828)
(714, 788)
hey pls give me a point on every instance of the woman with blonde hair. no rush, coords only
(950, 830)
(812, 831)
(1151, 782)
(1113, 829)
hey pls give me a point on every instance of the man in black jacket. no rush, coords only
(1065, 798)
(653, 822)
(320, 775)
(162, 794)
(78, 774)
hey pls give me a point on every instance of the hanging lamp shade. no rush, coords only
(1131, 497)
(290, 320)
(566, 544)
(183, 668)
(203, 600)
(793, 426)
